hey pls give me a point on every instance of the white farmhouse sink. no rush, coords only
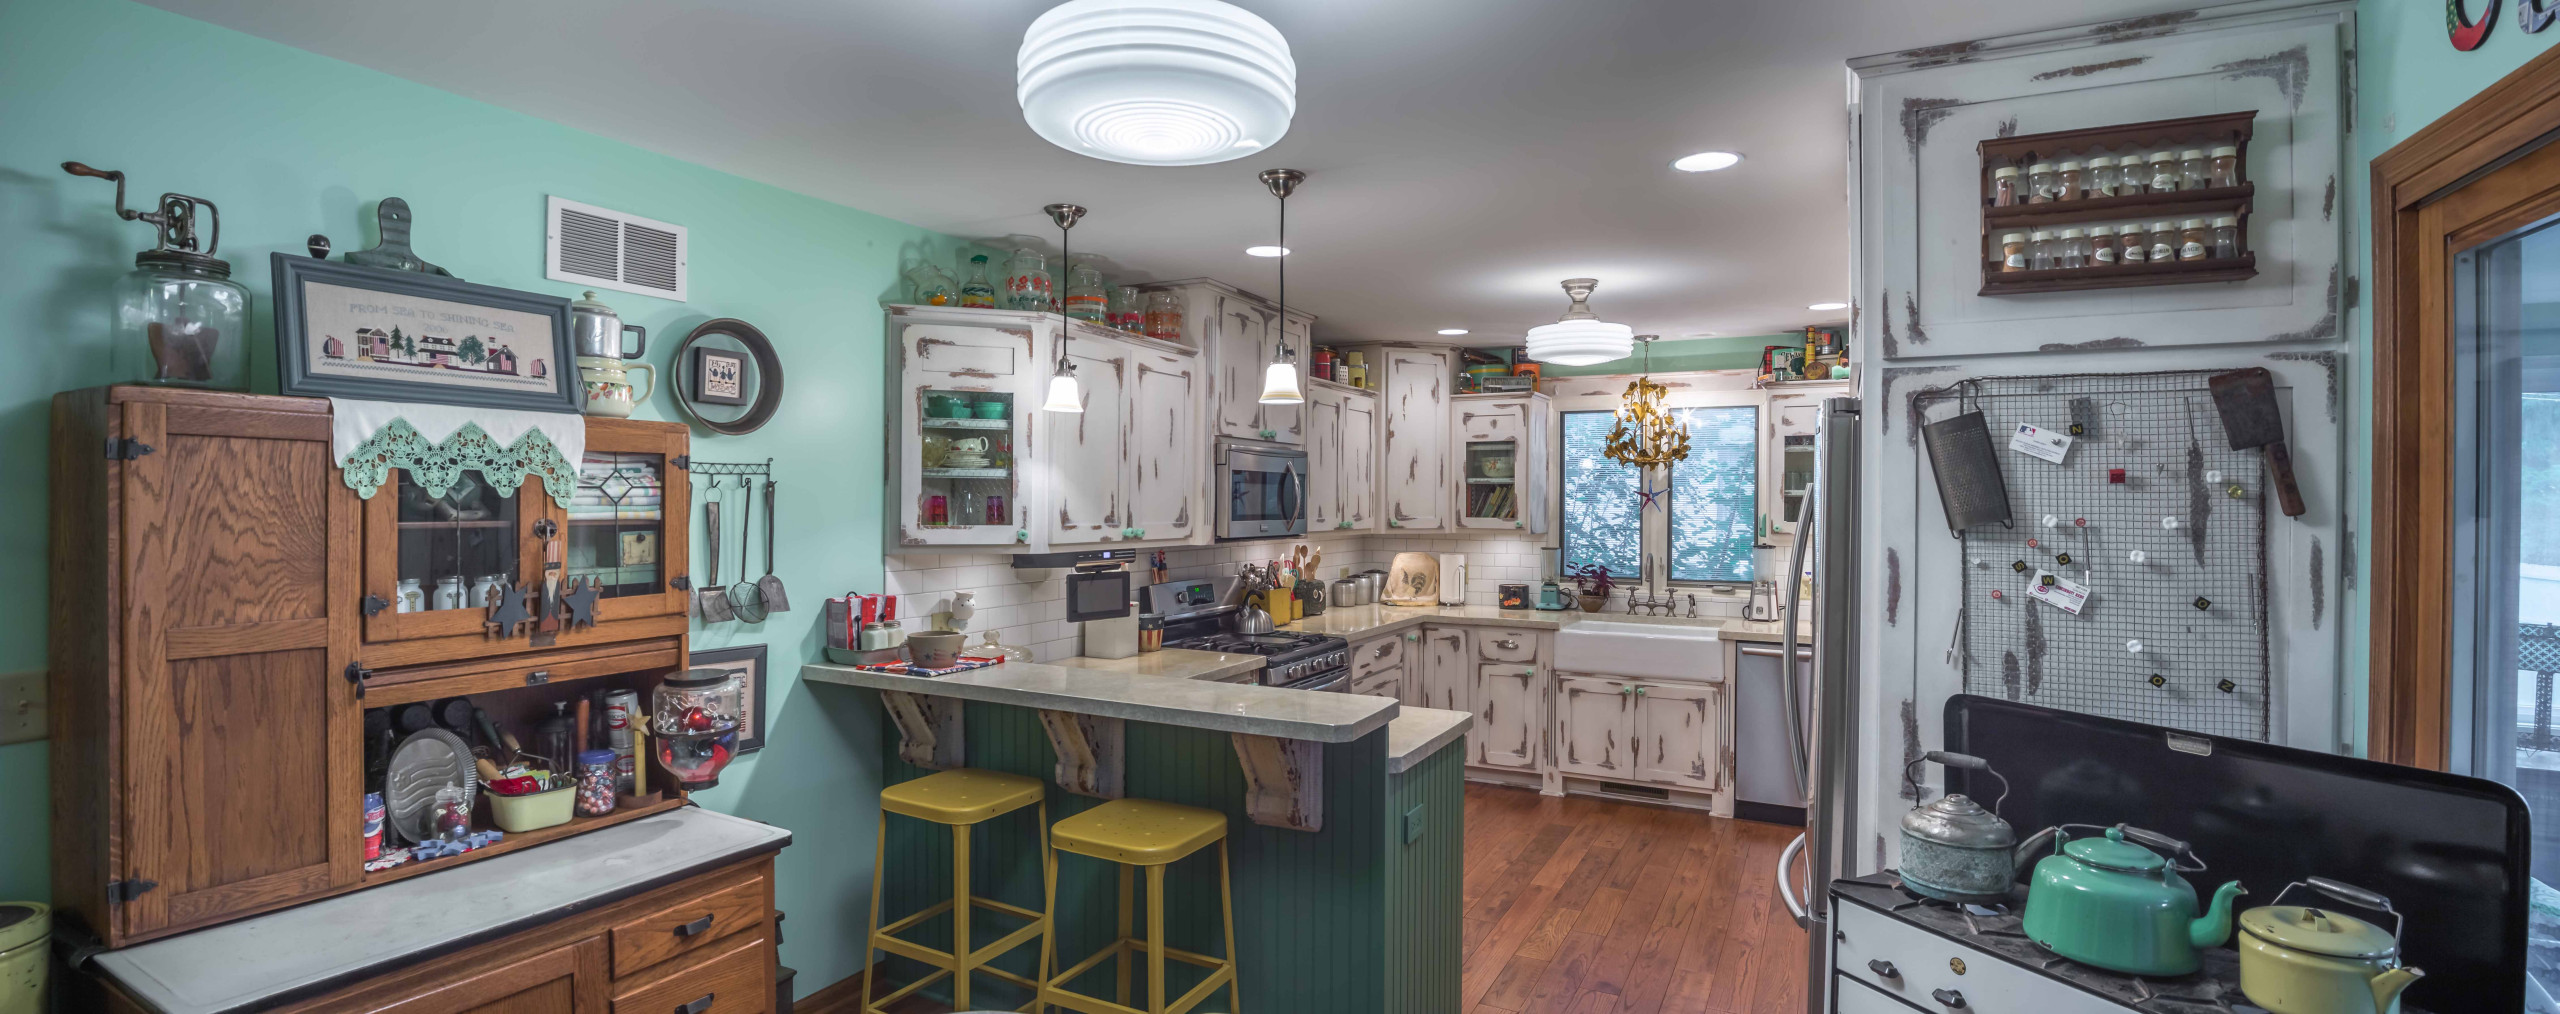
(1633, 647)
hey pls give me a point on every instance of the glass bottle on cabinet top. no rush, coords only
(616, 523)
(451, 540)
(977, 291)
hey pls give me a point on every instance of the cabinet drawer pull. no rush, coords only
(1884, 969)
(702, 1003)
(694, 928)
(1383, 649)
(1952, 999)
(1506, 644)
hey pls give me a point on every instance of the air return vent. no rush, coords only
(609, 249)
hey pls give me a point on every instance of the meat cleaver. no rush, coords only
(2247, 401)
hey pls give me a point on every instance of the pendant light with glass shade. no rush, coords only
(1156, 82)
(1280, 379)
(1064, 395)
(1580, 337)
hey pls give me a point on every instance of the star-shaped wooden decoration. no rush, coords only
(509, 616)
(578, 605)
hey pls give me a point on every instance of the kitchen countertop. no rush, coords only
(1417, 733)
(1169, 663)
(1197, 703)
(266, 960)
(1359, 622)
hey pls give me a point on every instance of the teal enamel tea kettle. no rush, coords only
(2110, 902)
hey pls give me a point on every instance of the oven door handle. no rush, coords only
(1323, 684)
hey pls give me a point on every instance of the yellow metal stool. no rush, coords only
(1152, 834)
(962, 799)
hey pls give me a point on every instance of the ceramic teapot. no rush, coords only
(2295, 959)
(2111, 902)
(609, 390)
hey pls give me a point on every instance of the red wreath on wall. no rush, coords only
(2467, 35)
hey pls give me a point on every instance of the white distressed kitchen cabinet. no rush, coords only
(1088, 452)
(940, 355)
(1342, 449)
(1238, 332)
(1445, 679)
(1786, 449)
(1678, 732)
(1167, 456)
(1380, 665)
(1502, 453)
(1511, 728)
(1414, 473)
(1594, 724)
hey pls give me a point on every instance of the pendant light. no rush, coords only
(1156, 82)
(1646, 434)
(1064, 395)
(1580, 337)
(1280, 379)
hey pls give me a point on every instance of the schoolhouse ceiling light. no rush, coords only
(1156, 82)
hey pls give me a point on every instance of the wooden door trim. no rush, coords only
(2411, 661)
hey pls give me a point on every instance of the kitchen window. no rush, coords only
(1703, 520)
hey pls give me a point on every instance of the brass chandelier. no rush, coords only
(1646, 434)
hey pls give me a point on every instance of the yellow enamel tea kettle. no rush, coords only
(2296, 959)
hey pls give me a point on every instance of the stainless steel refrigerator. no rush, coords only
(1822, 702)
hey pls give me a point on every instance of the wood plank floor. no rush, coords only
(1585, 906)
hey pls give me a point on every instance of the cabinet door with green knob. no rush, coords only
(1511, 717)
(1083, 451)
(1679, 736)
(1165, 456)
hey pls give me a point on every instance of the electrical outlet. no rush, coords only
(21, 707)
(1413, 825)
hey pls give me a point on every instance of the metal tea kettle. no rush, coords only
(2113, 901)
(595, 330)
(1953, 849)
(2296, 959)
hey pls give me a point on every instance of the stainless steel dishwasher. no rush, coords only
(1764, 776)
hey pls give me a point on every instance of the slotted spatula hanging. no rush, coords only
(713, 595)
(775, 599)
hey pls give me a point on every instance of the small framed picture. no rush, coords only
(719, 376)
(746, 660)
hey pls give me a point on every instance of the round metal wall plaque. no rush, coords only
(729, 377)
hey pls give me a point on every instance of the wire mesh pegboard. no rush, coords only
(2160, 520)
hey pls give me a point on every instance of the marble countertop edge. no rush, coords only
(1246, 708)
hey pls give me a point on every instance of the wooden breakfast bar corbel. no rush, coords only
(1345, 811)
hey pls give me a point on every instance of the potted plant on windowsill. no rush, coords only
(1591, 584)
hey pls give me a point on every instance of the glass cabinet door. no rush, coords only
(1492, 477)
(617, 525)
(436, 559)
(966, 462)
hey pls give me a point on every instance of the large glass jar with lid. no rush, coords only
(1164, 315)
(181, 320)
(1026, 282)
(1127, 309)
(932, 287)
(1086, 297)
(693, 718)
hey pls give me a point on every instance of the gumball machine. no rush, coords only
(694, 722)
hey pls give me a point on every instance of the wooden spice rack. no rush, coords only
(2234, 129)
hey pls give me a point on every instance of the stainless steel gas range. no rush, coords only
(1198, 616)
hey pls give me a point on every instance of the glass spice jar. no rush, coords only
(2164, 172)
(2040, 250)
(2223, 168)
(2191, 169)
(2103, 179)
(2164, 241)
(2013, 251)
(2129, 175)
(977, 291)
(2134, 246)
(2004, 186)
(2071, 179)
(1164, 315)
(2226, 237)
(1026, 282)
(1087, 299)
(2041, 184)
(2191, 240)
(596, 783)
(2074, 252)
(2102, 246)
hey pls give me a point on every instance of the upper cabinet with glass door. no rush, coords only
(965, 381)
(470, 570)
(1502, 467)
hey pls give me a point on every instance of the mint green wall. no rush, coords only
(1732, 352)
(289, 143)
(2408, 76)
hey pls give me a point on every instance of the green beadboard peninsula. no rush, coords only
(1345, 814)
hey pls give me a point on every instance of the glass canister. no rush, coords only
(596, 783)
(977, 291)
(1087, 299)
(179, 318)
(1026, 282)
(1164, 315)
(693, 719)
(1126, 310)
(932, 287)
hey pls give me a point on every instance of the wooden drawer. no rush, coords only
(732, 977)
(1504, 644)
(690, 924)
(1388, 682)
(1377, 653)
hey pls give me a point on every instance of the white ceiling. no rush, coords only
(1463, 155)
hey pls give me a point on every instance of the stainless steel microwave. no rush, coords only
(1261, 489)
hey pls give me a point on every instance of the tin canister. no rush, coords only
(26, 953)
(621, 709)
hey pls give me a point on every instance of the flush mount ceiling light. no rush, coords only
(1267, 251)
(1453, 330)
(1064, 394)
(1280, 379)
(1706, 161)
(1828, 306)
(1156, 82)
(1580, 337)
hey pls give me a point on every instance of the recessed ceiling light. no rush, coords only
(1453, 330)
(1707, 162)
(1267, 251)
(1828, 306)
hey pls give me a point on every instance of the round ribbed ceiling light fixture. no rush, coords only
(1580, 337)
(1156, 82)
